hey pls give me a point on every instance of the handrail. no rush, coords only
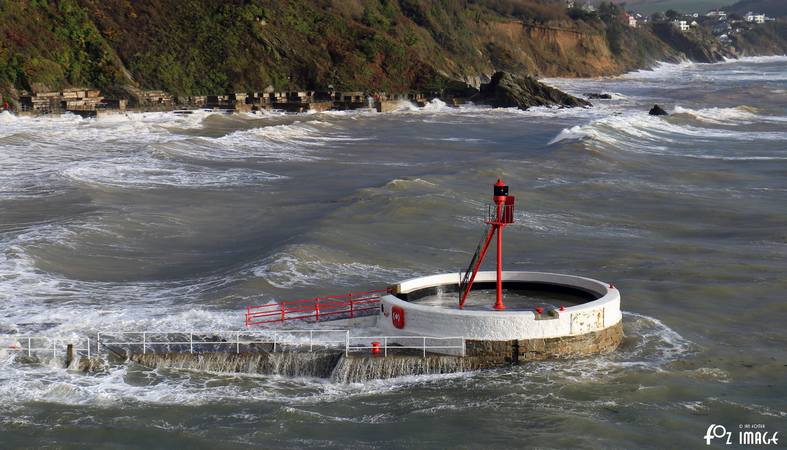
(25, 344)
(282, 339)
(354, 304)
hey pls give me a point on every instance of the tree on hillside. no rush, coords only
(672, 14)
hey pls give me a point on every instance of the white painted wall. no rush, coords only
(503, 325)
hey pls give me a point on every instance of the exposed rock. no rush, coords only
(599, 95)
(459, 89)
(657, 111)
(506, 90)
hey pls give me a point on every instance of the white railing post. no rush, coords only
(237, 342)
(385, 346)
(88, 347)
(347, 343)
(275, 335)
(464, 346)
(424, 346)
(191, 342)
(144, 339)
(311, 340)
(29, 349)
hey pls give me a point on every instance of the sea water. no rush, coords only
(164, 222)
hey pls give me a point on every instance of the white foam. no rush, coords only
(148, 173)
(739, 115)
(311, 265)
(653, 135)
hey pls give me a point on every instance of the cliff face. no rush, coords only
(765, 39)
(216, 46)
(695, 44)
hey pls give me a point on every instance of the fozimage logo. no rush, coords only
(748, 434)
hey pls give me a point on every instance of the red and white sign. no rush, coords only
(397, 317)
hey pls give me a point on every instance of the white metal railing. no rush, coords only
(233, 341)
(151, 340)
(423, 343)
(31, 345)
(280, 340)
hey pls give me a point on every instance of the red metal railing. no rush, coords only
(332, 307)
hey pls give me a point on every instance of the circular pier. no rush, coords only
(546, 315)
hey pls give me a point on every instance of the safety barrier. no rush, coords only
(355, 304)
(386, 344)
(278, 341)
(220, 340)
(232, 341)
(36, 345)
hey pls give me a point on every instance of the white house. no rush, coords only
(632, 21)
(756, 18)
(721, 15)
(681, 24)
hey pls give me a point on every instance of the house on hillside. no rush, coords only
(631, 19)
(682, 25)
(754, 18)
(717, 14)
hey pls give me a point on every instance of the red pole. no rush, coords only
(499, 298)
(477, 266)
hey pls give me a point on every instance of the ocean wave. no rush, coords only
(739, 115)
(299, 141)
(34, 300)
(312, 265)
(149, 173)
(641, 133)
(659, 71)
(664, 67)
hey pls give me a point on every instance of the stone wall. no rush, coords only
(518, 351)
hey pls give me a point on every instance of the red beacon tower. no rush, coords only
(498, 216)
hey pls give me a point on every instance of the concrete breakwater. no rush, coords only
(353, 368)
(339, 365)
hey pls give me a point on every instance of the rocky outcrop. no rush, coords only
(506, 90)
(657, 111)
(598, 96)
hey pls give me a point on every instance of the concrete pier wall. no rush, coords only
(490, 325)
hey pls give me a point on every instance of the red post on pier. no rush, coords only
(502, 216)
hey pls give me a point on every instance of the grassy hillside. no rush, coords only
(219, 46)
(765, 39)
(55, 44)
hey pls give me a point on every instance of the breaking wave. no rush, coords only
(671, 136)
(312, 265)
(152, 174)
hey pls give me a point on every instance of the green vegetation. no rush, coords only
(51, 44)
(192, 47)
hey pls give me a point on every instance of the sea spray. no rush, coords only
(357, 369)
(333, 365)
(289, 364)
